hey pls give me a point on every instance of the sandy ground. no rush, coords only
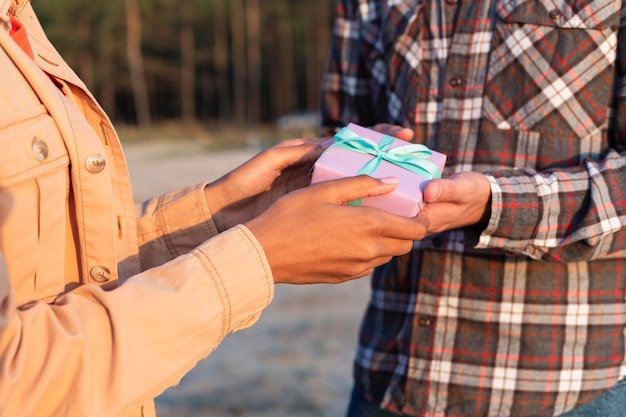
(296, 360)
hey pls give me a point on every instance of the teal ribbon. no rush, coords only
(412, 157)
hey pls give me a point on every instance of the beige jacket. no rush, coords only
(86, 327)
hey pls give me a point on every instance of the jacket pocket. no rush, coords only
(551, 72)
(34, 189)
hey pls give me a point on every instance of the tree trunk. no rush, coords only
(188, 63)
(107, 74)
(324, 36)
(85, 53)
(220, 59)
(253, 34)
(135, 62)
(284, 90)
(238, 30)
(316, 32)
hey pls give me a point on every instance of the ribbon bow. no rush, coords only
(412, 156)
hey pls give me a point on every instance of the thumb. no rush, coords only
(440, 190)
(343, 190)
(288, 154)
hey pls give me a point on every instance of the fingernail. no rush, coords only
(436, 192)
(389, 180)
(327, 143)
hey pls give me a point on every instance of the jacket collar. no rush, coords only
(45, 54)
(4, 7)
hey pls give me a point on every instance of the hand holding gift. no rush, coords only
(358, 150)
(462, 200)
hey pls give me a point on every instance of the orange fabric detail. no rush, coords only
(18, 33)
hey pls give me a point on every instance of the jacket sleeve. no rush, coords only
(102, 353)
(173, 224)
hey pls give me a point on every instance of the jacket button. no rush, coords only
(39, 149)
(100, 274)
(95, 163)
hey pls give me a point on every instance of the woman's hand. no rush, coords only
(403, 133)
(250, 189)
(311, 235)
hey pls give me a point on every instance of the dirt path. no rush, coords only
(296, 361)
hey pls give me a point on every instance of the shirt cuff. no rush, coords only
(243, 275)
(515, 211)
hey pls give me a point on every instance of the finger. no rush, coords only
(284, 156)
(343, 190)
(327, 143)
(440, 190)
(397, 131)
(396, 247)
(299, 141)
(388, 225)
(403, 228)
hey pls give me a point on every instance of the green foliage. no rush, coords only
(91, 35)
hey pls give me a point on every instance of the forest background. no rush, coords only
(197, 66)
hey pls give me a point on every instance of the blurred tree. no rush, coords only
(238, 54)
(221, 46)
(247, 61)
(109, 68)
(135, 61)
(188, 62)
(281, 60)
(253, 54)
(317, 48)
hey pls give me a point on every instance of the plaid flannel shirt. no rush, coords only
(526, 317)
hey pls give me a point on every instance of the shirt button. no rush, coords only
(95, 163)
(437, 242)
(425, 321)
(555, 14)
(40, 149)
(455, 82)
(100, 274)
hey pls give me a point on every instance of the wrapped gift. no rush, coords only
(358, 150)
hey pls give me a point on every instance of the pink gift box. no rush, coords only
(406, 200)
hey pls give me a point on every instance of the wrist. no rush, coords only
(217, 201)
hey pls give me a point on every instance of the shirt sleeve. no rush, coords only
(565, 216)
(97, 352)
(346, 91)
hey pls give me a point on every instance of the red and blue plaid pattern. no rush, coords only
(528, 317)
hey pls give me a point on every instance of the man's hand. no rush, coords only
(250, 189)
(311, 236)
(462, 200)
